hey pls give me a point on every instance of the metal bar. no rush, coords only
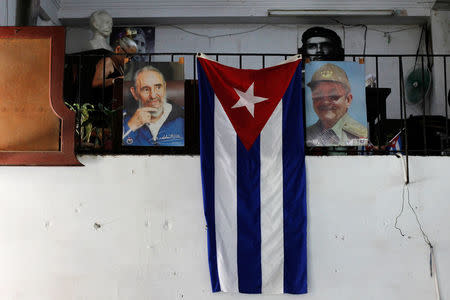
(275, 54)
(401, 103)
(378, 105)
(446, 101)
(104, 79)
(194, 65)
(402, 99)
(103, 104)
(195, 121)
(393, 55)
(424, 109)
(380, 129)
(79, 100)
(79, 78)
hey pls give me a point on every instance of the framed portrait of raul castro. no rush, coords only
(335, 104)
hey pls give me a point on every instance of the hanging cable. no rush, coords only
(427, 49)
(365, 39)
(343, 36)
(366, 28)
(393, 31)
(220, 35)
(418, 46)
(432, 259)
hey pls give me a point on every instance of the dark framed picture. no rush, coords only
(335, 104)
(143, 36)
(153, 105)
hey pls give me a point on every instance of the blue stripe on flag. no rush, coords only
(294, 189)
(249, 217)
(398, 145)
(206, 97)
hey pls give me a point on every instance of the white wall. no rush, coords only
(152, 239)
(51, 8)
(440, 34)
(227, 8)
(7, 12)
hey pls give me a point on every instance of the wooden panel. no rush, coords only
(27, 122)
(36, 128)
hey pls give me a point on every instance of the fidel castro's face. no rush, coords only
(150, 90)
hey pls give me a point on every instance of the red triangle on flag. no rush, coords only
(248, 97)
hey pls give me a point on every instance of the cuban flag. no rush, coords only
(253, 175)
(395, 144)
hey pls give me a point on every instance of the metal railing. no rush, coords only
(424, 127)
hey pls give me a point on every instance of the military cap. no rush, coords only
(330, 73)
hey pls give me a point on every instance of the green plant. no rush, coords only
(94, 123)
(85, 126)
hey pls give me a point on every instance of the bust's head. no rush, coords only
(101, 23)
(320, 43)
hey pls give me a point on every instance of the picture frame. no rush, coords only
(154, 104)
(32, 63)
(335, 104)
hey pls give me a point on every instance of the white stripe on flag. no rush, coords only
(225, 195)
(272, 250)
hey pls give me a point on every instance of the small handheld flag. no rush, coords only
(395, 144)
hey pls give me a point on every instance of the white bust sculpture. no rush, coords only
(101, 26)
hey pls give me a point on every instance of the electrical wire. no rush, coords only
(356, 25)
(343, 36)
(424, 235)
(401, 212)
(220, 35)
(365, 39)
(418, 46)
(432, 259)
(393, 31)
(366, 28)
(374, 29)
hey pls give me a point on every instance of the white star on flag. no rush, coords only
(248, 99)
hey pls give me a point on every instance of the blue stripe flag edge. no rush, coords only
(206, 98)
(294, 189)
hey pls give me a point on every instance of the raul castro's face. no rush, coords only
(330, 101)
